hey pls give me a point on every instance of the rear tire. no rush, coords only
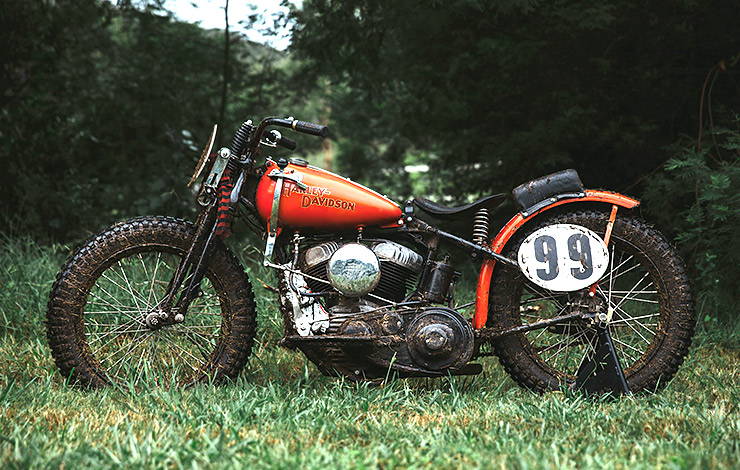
(660, 319)
(73, 325)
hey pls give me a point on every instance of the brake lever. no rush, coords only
(275, 139)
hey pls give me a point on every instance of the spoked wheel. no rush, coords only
(104, 321)
(644, 293)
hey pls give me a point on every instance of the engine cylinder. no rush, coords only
(399, 267)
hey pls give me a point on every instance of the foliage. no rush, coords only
(704, 184)
(491, 94)
(283, 414)
(104, 110)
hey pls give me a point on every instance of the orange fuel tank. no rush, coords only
(329, 201)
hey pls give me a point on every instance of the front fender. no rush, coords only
(515, 223)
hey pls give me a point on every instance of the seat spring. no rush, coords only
(480, 227)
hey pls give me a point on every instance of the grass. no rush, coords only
(282, 413)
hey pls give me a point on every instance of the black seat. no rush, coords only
(438, 211)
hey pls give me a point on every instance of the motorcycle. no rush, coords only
(574, 291)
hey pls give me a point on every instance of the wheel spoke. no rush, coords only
(629, 346)
(540, 299)
(635, 292)
(181, 349)
(125, 347)
(118, 330)
(109, 312)
(638, 333)
(124, 309)
(133, 296)
(621, 320)
(636, 299)
(130, 289)
(136, 341)
(622, 313)
(154, 277)
(619, 304)
(611, 278)
(620, 274)
(545, 295)
(190, 336)
(590, 348)
(560, 342)
(614, 270)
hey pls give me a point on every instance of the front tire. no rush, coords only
(95, 315)
(649, 292)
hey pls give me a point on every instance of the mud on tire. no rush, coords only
(70, 293)
(675, 325)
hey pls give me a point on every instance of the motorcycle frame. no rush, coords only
(491, 254)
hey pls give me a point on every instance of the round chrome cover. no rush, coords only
(354, 270)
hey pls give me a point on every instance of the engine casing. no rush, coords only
(399, 267)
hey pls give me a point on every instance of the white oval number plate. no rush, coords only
(563, 257)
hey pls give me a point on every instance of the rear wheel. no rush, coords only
(97, 319)
(645, 286)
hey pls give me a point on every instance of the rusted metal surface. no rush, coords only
(426, 343)
(493, 333)
(610, 224)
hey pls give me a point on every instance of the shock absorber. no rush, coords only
(480, 227)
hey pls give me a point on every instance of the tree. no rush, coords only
(491, 94)
(105, 110)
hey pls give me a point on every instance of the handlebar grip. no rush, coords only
(287, 143)
(311, 128)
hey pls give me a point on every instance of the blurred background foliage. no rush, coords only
(104, 107)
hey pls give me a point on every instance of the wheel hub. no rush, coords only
(156, 319)
(592, 308)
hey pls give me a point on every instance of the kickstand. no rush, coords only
(602, 372)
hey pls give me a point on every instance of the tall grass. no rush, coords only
(281, 413)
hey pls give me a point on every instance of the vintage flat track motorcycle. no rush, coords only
(574, 291)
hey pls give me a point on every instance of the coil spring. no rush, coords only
(240, 138)
(480, 227)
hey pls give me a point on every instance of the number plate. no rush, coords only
(563, 257)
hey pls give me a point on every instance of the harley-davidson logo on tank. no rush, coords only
(337, 202)
(314, 196)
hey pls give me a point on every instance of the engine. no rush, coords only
(361, 335)
(383, 268)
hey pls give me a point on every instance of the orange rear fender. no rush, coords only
(515, 223)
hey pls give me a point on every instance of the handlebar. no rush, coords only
(299, 126)
(311, 128)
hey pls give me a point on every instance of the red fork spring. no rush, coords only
(225, 212)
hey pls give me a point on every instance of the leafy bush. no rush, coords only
(705, 182)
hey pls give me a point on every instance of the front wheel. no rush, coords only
(645, 286)
(96, 320)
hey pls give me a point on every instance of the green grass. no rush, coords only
(282, 413)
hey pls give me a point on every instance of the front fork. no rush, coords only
(189, 272)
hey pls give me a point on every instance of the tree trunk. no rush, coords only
(225, 74)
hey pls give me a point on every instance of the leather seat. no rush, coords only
(441, 212)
